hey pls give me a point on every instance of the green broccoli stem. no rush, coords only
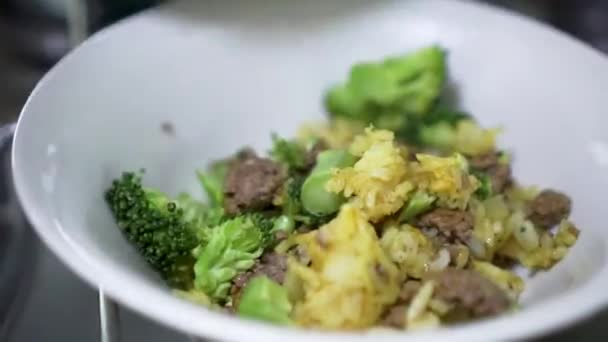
(418, 204)
(314, 197)
(263, 299)
(213, 183)
(233, 247)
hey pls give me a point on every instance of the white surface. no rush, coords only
(226, 74)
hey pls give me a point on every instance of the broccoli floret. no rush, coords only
(289, 153)
(265, 222)
(265, 300)
(439, 135)
(292, 210)
(284, 224)
(438, 128)
(401, 94)
(291, 204)
(443, 114)
(200, 216)
(485, 189)
(418, 204)
(392, 93)
(315, 199)
(233, 247)
(213, 183)
(163, 231)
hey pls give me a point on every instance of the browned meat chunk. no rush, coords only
(281, 235)
(499, 173)
(251, 183)
(501, 177)
(245, 153)
(395, 316)
(453, 224)
(470, 291)
(409, 290)
(272, 265)
(484, 162)
(549, 208)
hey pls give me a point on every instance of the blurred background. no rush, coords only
(35, 34)
(45, 301)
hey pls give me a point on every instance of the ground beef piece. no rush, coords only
(470, 291)
(453, 224)
(251, 183)
(409, 289)
(245, 153)
(395, 316)
(484, 161)
(489, 164)
(281, 235)
(501, 177)
(272, 265)
(549, 208)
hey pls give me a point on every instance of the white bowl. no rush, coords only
(226, 74)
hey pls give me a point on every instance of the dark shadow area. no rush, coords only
(19, 246)
(594, 328)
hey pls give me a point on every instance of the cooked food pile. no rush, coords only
(398, 211)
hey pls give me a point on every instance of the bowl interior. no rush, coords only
(226, 75)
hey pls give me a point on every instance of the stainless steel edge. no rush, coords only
(109, 318)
